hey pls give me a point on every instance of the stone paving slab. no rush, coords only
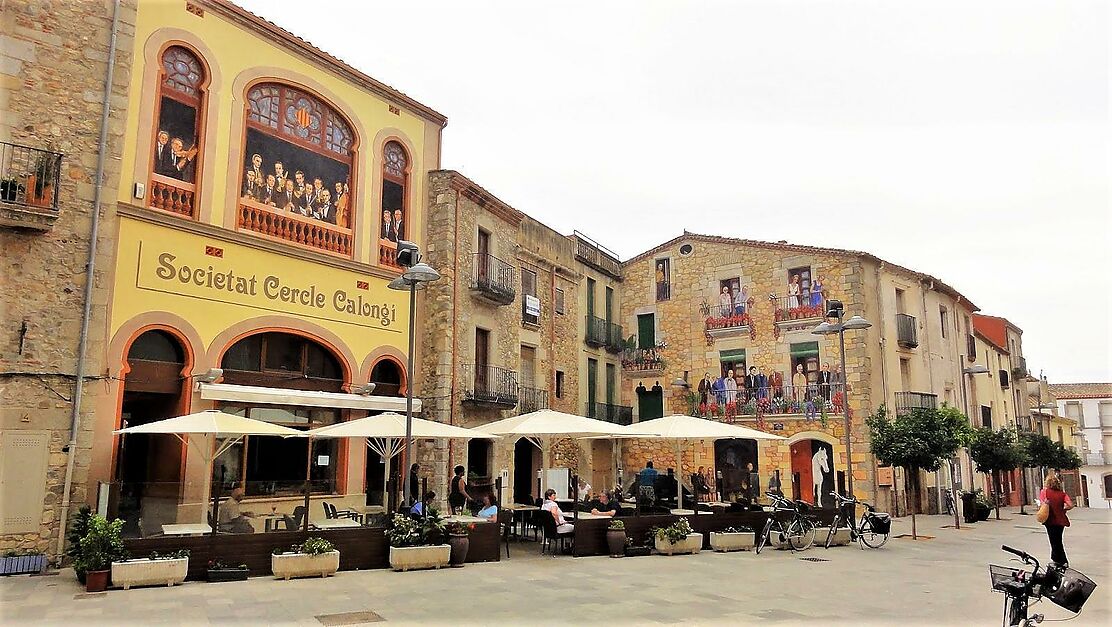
(943, 581)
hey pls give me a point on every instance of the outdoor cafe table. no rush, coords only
(464, 518)
(520, 511)
(336, 523)
(186, 529)
(585, 516)
(688, 512)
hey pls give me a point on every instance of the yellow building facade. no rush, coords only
(265, 187)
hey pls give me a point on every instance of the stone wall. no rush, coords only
(53, 62)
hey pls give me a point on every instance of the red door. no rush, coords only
(801, 470)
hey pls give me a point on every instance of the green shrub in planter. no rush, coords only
(78, 527)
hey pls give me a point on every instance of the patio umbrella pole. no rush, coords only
(308, 467)
(679, 471)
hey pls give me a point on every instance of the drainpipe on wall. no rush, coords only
(90, 268)
(882, 325)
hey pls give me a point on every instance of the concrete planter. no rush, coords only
(841, 536)
(405, 558)
(287, 565)
(774, 540)
(693, 543)
(725, 542)
(148, 572)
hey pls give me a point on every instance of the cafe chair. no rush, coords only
(551, 536)
(506, 521)
(294, 522)
(331, 513)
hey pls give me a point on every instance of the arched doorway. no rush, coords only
(813, 474)
(527, 461)
(275, 467)
(733, 477)
(387, 377)
(148, 467)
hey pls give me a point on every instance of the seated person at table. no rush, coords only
(232, 518)
(584, 490)
(606, 505)
(489, 510)
(648, 474)
(551, 506)
(418, 508)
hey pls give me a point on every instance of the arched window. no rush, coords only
(276, 466)
(387, 377)
(395, 177)
(296, 184)
(177, 138)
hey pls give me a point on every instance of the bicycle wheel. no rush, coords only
(869, 536)
(801, 534)
(762, 540)
(833, 529)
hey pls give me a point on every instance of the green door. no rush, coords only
(609, 305)
(590, 297)
(646, 331)
(592, 382)
(651, 405)
(611, 391)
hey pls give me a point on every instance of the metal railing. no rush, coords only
(907, 331)
(595, 255)
(490, 384)
(642, 360)
(29, 176)
(387, 389)
(907, 401)
(614, 339)
(532, 399)
(1020, 369)
(597, 331)
(494, 278)
(663, 291)
(811, 400)
(616, 414)
(800, 307)
(730, 316)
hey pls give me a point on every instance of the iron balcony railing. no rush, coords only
(616, 414)
(907, 331)
(597, 332)
(494, 279)
(597, 256)
(732, 316)
(1020, 369)
(809, 400)
(532, 399)
(642, 360)
(907, 401)
(29, 176)
(490, 385)
(614, 339)
(802, 307)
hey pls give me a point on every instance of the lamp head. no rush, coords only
(408, 254)
(421, 272)
(856, 322)
(679, 383)
(834, 309)
(825, 328)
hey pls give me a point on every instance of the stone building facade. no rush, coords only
(501, 331)
(715, 305)
(53, 73)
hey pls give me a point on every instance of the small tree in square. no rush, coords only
(920, 439)
(995, 452)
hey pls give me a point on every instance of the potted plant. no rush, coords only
(458, 540)
(739, 538)
(76, 530)
(417, 544)
(17, 563)
(314, 556)
(616, 538)
(160, 568)
(218, 571)
(678, 538)
(101, 546)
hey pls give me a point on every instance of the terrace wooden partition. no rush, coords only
(590, 535)
(360, 547)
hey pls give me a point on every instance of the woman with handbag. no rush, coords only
(1052, 515)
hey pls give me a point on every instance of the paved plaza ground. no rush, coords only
(943, 581)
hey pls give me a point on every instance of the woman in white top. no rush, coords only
(794, 293)
(584, 490)
(731, 386)
(725, 301)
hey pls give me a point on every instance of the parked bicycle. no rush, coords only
(873, 528)
(948, 501)
(798, 533)
(1065, 587)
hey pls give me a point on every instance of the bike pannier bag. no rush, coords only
(1072, 590)
(881, 523)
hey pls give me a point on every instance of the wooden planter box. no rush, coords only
(287, 565)
(22, 564)
(725, 542)
(148, 572)
(841, 536)
(693, 543)
(416, 557)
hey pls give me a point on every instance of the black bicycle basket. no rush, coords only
(803, 506)
(1071, 591)
(881, 523)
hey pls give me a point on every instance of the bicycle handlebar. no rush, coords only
(1026, 557)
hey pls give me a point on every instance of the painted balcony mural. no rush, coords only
(813, 401)
(728, 320)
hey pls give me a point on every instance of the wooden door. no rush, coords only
(482, 348)
(801, 470)
(484, 269)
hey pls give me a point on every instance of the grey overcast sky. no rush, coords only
(968, 140)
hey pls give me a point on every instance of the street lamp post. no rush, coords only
(965, 372)
(834, 310)
(416, 276)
